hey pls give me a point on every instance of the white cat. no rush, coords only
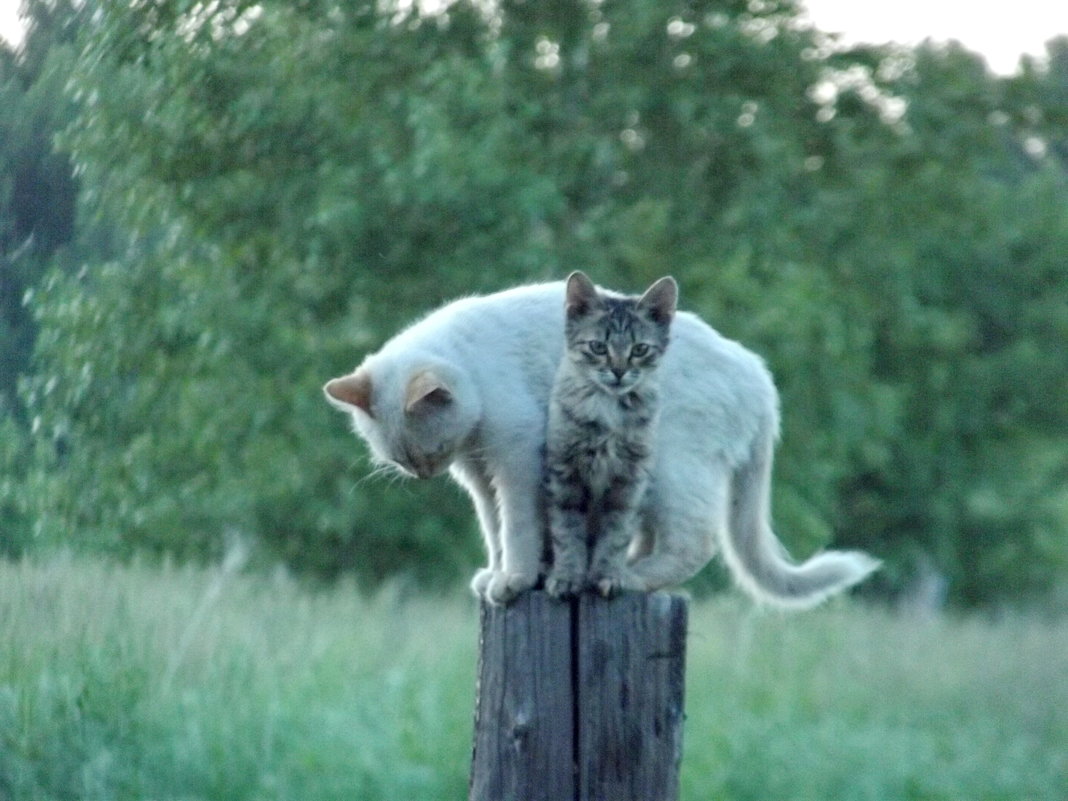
(467, 389)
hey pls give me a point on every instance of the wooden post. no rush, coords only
(524, 739)
(580, 700)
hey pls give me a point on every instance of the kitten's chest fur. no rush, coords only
(600, 436)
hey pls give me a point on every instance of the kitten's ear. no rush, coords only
(581, 294)
(660, 300)
(350, 391)
(425, 391)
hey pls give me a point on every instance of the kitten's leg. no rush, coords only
(568, 500)
(517, 479)
(473, 478)
(609, 572)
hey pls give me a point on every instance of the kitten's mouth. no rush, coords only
(618, 385)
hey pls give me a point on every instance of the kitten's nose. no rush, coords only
(618, 372)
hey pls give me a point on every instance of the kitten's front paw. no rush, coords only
(562, 584)
(503, 587)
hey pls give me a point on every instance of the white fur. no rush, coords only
(710, 483)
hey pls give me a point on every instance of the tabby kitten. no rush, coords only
(603, 414)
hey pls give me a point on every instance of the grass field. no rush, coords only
(137, 682)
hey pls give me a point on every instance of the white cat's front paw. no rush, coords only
(481, 581)
(503, 586)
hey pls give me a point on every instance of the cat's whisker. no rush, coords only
(476, 453)
(385, 470)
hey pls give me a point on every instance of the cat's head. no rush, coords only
(415, 416)
(618, 341)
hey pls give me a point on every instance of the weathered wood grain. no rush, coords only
(580, 700)
(523, 746)
(631, 654)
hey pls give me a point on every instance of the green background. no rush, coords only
(206, 210)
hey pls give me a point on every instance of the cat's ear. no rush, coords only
(350, 392)
(581, 295)
(425, 391)
(660, 300)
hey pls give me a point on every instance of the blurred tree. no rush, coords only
(37, 186)
(296, 181)
(954, 230)
(38, 193)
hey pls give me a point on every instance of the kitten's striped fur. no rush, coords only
(600, 441)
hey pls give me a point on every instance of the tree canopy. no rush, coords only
(267, 190)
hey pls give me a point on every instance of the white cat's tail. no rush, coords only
(756, 558)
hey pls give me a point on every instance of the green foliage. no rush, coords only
(972, 308)
(37, 186)
(293, 182)
(129, 682)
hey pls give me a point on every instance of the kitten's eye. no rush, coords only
(597, 348)
(639, 350)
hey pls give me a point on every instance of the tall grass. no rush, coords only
(849, 704)
(136, 682)
(119, 683)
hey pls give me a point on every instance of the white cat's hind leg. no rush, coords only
(684, 524)
(680, 552)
